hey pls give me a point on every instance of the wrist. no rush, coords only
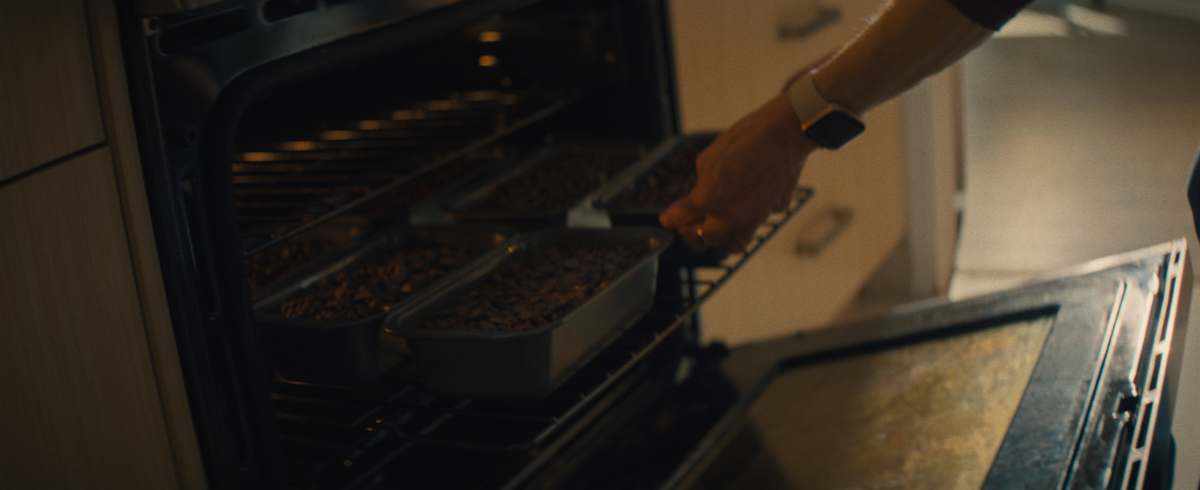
(827, 123)
(790, 126)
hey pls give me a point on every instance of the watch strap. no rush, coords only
(811, 107)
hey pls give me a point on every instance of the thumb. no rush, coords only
(681, 214)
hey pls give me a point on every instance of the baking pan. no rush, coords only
(400, 205)
(267, 269)
(494, 201)
(347, 351)
(631, 198)
(528, 364)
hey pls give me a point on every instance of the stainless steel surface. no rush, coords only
(347, 351)
(528, 364)
(471, 204)
(1052, 179)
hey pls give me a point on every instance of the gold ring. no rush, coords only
(700, 233)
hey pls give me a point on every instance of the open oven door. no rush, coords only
(1065, 383)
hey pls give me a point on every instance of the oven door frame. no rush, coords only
(1094, 390)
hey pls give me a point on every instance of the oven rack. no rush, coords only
(332, 433)
(284, 188)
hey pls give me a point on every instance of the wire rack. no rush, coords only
(343, 437)
(284, 188)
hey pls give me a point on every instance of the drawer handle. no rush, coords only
(825, 17)
(826, 231)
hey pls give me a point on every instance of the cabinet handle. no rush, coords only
(828, 228)
(800, 30)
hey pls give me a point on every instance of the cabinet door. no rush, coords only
(731, 56)
(80, 406)
(49, 107)
(813, 269)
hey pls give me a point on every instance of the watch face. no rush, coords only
(835, 129)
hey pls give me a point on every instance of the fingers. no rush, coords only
(700, 230)
(697, 230)
(684, 217)
(681, 213)
(782, 201)
(740, 239)
(693, 237)
(715, 232)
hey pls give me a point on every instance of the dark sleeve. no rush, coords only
(990, 13)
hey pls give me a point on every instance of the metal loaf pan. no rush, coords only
(338, 234)
(466, 205)
(608, 199)
(528, 364)
(432, 188)
(347, 352)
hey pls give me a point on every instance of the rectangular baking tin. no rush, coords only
(346, 230)
(607, 197)
(426, 212)
(527, 364)
(348, 351)
(457, 207)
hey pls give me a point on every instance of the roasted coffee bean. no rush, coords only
(672, 179)
(376, 286)
(424, 187)
(562, 180)
(538, 290)
(273, 263)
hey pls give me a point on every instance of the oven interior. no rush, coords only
(276, 133)
(294, 158)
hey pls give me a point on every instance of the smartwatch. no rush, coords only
(828, 124)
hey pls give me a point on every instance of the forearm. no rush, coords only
(908, 41)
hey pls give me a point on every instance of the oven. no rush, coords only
(287, 141)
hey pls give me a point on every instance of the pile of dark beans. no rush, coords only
(273, 263)
(377, 286)
(561, 180)
(672, 179)
(537, 290)
(425, 186)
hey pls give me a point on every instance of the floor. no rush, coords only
(1080, 130)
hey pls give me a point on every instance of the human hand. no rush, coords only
(747, 173)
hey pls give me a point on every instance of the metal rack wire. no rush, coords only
(284, 188)
(341, 437)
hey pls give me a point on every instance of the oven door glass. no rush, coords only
(1062, 384)
(927, 415)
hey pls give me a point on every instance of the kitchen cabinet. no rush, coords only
(82, 409)
(49, 106)
(893, 185)
(815, 266)
(94, 396)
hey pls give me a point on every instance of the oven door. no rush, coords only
(1059, 384)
